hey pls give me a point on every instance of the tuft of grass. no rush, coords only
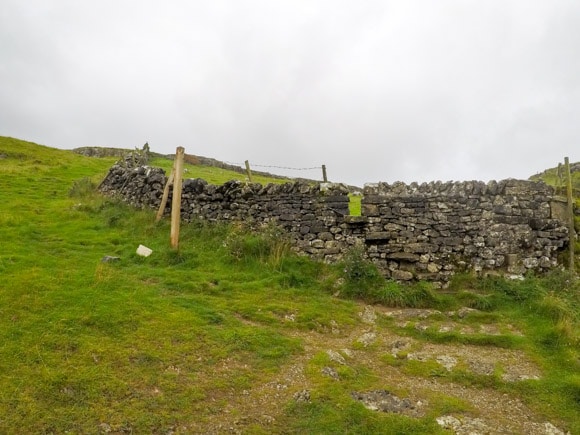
(555, 308)
(421, 295)
(268, 246)
(461, 282)
(358, 270)
(391, 294)
(477, 301)
(372, 288)
(361, 278)
(520, 291)
(82, 188)
(445, 405)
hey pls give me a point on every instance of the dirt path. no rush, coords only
(361, 345)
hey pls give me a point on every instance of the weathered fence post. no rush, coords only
(165, 194)
(176, 200)
(570, 199)
(248, 171)
(324, 178)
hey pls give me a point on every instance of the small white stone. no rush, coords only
(144, 251)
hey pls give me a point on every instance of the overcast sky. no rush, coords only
(378, 90)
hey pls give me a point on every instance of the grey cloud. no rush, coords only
(376, 90)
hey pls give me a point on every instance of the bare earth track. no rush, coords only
(363, 346)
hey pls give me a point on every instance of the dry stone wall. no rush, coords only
(427, 231)
(310, 214)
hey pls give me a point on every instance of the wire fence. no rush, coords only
(269, 167)
(275, 167)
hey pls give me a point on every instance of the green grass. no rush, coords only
(214, 175)
(558, 180)
(322, 417)
(132, 343)
(355, 205)
(332, 410)
(150, 345)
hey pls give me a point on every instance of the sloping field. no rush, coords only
(233, 334)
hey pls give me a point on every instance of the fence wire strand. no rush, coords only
(272, 166)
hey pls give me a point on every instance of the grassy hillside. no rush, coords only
(557, 178)
(230, 332)
(212, 174)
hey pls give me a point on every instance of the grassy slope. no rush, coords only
(162, 343)
(559, 181)
(213, 175)
(551, 177)
(131, 343)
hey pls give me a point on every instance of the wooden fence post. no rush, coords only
(248, 171)
(176, 200)
(324, 178)
(570, 199)
(165, 194)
